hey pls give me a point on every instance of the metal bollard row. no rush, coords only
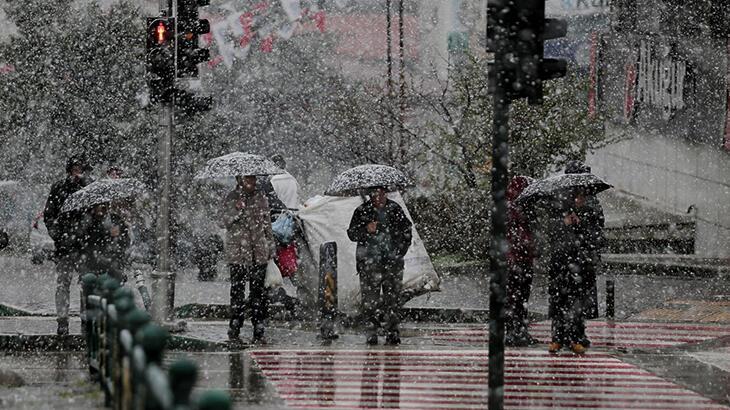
(125, 351)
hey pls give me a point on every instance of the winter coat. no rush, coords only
(592, 239)
(519, 235)
(64, 228)
(250, 240)
(102, 252)
(390, 242)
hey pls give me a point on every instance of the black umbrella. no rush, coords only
(238, 163)
(103, 190)
(350, 182)
(558, 184)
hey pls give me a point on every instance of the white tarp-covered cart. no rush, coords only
(326, 219)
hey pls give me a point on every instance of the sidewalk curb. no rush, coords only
(10, 310)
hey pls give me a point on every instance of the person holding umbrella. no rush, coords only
(563, 199)
(520, 260)
(383, 235)
(63, 229)
(592, 214)
(249, 246)
(250, 241)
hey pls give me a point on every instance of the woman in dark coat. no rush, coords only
(520, 260)
(569, 233)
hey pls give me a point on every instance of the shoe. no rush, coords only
(392, 340)
(259, 340)
(553, 347)
(578, 348)
(62, 327)
(372, 340)
(234, 331)
(328, 335)
(585, 342)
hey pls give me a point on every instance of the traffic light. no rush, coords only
(190, 104)
(517, 37)
(533, 67)
(189, 27)
(160, 58)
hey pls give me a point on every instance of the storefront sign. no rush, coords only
(569, 8)
(661, 78)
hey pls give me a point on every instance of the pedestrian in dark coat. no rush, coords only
(383, 235)
(566, 274)
(249, 247)
(106, 240)
(520, 260)
(592, 214)
(64, 229)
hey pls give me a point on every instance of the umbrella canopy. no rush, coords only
(103, 190)
(351, 181)
(554, 185)
(238, 163)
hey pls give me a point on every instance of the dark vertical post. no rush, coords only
(389, 49)
(610, 299)
(497, 255)
(328, 288)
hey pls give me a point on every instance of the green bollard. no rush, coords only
(153, 339)
(183, 374)
(136, 319)
(123, 292)
(109, 286)
(214, 400)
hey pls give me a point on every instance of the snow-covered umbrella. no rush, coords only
(557, 184)
(350, 182)
(238, 163)
(103, 190)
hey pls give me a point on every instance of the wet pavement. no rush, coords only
(53, 380)
(669, 348)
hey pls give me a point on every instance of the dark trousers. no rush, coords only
(519, 283)
(567, 297)
(590, 304)
(373, 279)
(258, 299)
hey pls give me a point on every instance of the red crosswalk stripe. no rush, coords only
(457, 379)
(604, 334)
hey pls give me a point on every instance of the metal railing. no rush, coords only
(125, 351)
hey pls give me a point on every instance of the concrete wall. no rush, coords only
(674, 174)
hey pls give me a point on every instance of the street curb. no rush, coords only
(10, 310)
(47, 343)
(55, 343)
(414, 314)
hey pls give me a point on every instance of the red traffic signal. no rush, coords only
(160, 32)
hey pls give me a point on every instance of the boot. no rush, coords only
(258, 335)
(234, 330)
(392, 338)
(62, 326)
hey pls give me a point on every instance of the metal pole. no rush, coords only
(497, 254)
(610, 299)
(163, 280)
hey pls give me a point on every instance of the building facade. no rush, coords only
(662, 83)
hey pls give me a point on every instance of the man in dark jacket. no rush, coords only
(593, 241)
(383, 235)
(64, 228)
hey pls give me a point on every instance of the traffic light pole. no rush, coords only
(498, 249)
(163, 279)
(163, 283)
